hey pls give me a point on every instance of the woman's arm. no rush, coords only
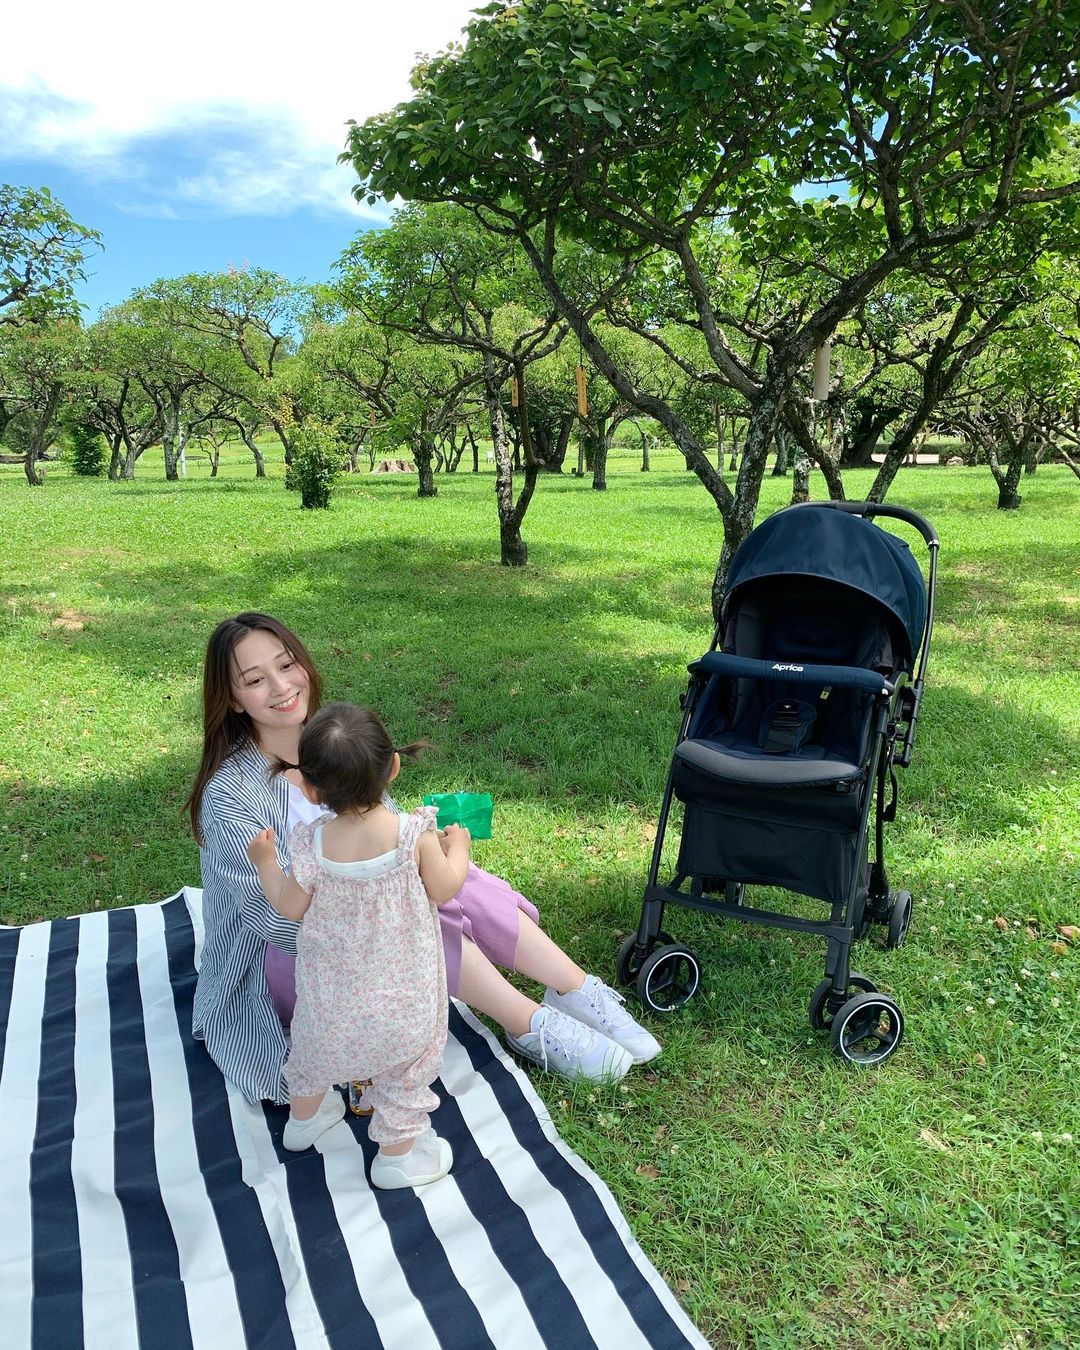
(443, 865)
(229, 821)
(284, 892)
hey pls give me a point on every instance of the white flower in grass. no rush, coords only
(1055, 1003)
(991, 1002)
(1055, 975)
(1025, 974)
(969, 1009)
(1065, 1138)
(1037, 1135)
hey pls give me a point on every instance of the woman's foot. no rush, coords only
(429, 1159)
(301, 1134)
(602, 1008)
(566, 1045)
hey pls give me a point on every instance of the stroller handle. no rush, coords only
(871, 509)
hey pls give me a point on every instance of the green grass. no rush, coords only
(934, 1202)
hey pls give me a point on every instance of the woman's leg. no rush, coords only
(484, 987)
(543, 960)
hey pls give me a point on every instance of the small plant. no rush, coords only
(316, 464)
(87, 452)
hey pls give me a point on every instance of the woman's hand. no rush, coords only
(262, 850)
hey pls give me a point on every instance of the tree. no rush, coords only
(35, 365)
(640, 127)
(436, 275)
(42, 251)
(261, 316)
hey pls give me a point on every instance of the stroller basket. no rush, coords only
(794, 723)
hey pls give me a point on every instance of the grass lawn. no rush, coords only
(789, 1201)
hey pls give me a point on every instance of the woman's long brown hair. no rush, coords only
(224, 729)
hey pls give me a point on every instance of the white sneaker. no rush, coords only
(301, 1134)
(429, 1159)
(565, 1045)
(601, 1007)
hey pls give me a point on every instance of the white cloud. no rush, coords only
(254, 104)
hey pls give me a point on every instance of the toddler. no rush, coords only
(371, 1000)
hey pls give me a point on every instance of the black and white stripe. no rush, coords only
(144, 1203)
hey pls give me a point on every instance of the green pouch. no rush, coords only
(471, 809)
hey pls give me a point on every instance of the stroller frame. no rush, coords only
(865, 1027)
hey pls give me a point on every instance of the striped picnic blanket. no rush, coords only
(144, 1203)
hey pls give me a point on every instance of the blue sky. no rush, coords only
(209, 141)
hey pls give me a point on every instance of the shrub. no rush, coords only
(87, 451)
(316, 463)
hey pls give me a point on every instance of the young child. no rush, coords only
(371, 999)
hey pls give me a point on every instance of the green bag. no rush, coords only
(471, 809)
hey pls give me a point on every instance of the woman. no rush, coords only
(259, 688)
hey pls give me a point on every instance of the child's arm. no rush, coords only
(285, 893)
(443, 862)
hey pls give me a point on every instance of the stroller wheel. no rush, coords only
(668, 978)
(627, 965)
(867, 1030)
(823, 1007)
(899, 917)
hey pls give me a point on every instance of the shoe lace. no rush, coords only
(564, 1033)
(607, 1004)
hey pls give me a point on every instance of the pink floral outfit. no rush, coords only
(371, 998)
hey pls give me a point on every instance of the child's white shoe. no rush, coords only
(301, 1134)
(600, 1007)
(429, 1159)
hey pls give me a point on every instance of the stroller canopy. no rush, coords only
(836, 546)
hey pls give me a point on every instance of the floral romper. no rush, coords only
(371, 998)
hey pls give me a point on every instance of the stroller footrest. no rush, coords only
(766, 770)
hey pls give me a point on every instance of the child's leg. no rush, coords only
(310, 1117)
(402, 1102)
(303, 1108)
(410, 1153)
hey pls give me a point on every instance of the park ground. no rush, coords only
(788, 1201)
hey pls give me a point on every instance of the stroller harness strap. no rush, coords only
(792, 672)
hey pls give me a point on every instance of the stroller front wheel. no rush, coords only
(867, 1030)
(668, 978)
(627, 965)
(824, 1006)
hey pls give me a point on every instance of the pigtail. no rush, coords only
(414, 750)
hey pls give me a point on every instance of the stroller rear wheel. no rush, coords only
(627, 965)
(867, 1029)
(668, 978)
(824, 1006)
(899, 917)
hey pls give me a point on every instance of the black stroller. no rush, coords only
(795, 720)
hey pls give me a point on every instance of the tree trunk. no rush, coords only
(115, 442)
(248, 437)
(780, 468)
(720, 422)
(423, 454)
(598, 436)
(34, 476)
(800, 478)
(859, 447)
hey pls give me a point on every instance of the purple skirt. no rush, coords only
(485, 910)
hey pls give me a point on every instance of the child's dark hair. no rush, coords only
(347, 755)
